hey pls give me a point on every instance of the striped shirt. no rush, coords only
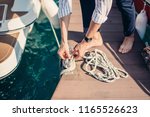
(100, 13)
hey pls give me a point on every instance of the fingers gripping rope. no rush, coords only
(68, 65)
(96, 60)
(109, 73)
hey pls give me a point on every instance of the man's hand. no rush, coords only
(80, 49)
(83, 46)
(63, 51)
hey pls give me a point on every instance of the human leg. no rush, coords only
(127, 10)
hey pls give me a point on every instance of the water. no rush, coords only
(38, 73)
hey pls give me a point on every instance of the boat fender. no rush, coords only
(141, 23)
(50, 9)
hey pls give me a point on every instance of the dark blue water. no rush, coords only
(38, 73)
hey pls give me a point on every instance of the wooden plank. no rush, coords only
(110, 28)
(82, 86)
(118, 36)
(114, 20)
(76, 21)
(111, 50)
(79, 85)
(114, 12)
(115, 45)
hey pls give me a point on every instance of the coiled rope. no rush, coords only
(97, 60)
(68, 66)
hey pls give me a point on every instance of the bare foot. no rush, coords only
(97, 39)
(127, 44)
(81, 48)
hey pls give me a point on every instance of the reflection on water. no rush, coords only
(38, 73)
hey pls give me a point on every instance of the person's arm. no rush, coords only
(101, 11)
(100, 14)
(64, 24)
(92, 29)
(64, 48)
(65, 10)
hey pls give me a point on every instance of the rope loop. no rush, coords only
(97, 60)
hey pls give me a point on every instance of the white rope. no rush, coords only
(97, 59)
(55, 35)
(68, 66)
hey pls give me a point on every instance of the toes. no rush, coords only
(126, 51)
(121, 48)
(126, 45)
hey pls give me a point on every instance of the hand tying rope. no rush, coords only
(69, 64)
(96, 59)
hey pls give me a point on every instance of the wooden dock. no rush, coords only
(79, 85)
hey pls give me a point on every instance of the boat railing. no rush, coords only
(4, 13)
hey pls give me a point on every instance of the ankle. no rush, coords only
(130, 36)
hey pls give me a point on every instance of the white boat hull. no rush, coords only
(21, 25)
(23, 21)
(11, 63)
